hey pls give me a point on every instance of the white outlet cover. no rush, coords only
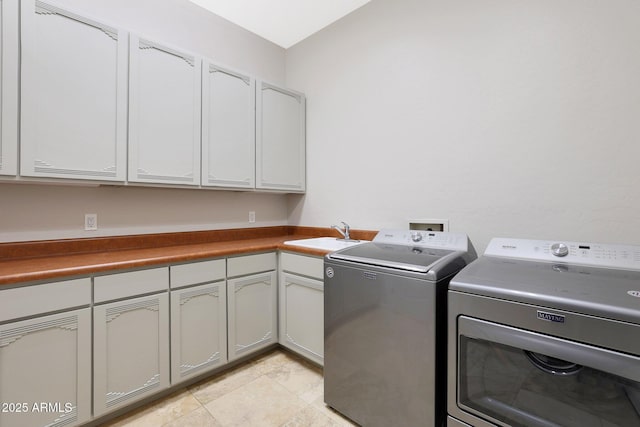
(90, 222)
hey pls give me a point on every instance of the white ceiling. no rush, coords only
(284, 22)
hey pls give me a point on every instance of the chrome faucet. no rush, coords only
(345, 233)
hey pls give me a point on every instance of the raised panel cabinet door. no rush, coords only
(9, 87)
(280, 139)
(302, 316)
(74, 95)
(198, 330)
(228, 128)
(252, 313)
(45, 370)
(164, 114)
(131, 351)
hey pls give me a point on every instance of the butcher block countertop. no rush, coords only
(49, 260)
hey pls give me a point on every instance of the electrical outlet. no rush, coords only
(252, 216)
(90, 222)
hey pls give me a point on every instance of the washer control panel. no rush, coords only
(594, 254)
(426, 239)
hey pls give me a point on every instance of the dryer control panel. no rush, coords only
(594, 254)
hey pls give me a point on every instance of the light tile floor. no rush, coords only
(276, 389)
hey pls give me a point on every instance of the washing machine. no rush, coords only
(545, 334)
(385, 326)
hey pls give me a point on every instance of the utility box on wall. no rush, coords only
(429, 224)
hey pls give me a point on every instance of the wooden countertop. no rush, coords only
(30, 265)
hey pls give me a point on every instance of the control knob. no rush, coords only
(559, 249)
(416, 237)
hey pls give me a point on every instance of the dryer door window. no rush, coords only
(520, 378)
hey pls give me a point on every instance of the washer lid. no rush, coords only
(437, 263)
(603, 292)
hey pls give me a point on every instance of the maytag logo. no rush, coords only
(509, 247)
(550, 317)
(369, 275)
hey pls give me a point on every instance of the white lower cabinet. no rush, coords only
(131, 340)
(151, 328)
(198, 330)
(45, 366)
(301, 309)
(45, 361)
(198, 318)
(252, 304)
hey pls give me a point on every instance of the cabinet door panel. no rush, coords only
(9, 87)
(249, 264)
(303, 265)
(198, 330)
(280, 143)
(74, 91)
(302, 316)
(228, 128)
(111, 287)
(195, 273)
(47, 360)
(131, 351)
(164, 114)
(252, 313)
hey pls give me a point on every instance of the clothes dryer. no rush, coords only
(545, 334)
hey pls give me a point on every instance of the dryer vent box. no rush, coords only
(429, 224)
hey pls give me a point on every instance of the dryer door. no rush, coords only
(516, 377)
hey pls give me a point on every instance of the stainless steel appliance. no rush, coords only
(544, 333)
(385, 311)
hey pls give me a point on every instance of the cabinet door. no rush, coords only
(164, 114)
(131, 351)
(198, 330)
(74, 94)
(228, 128)
(302, 316)
(252, 313)
(45, 366)
(280, 139)
(9, 87)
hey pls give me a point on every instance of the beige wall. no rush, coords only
(509, 118)
(37, 212)
(34, 211)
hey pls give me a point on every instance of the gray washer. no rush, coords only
(384, 321)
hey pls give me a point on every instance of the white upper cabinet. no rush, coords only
(228, 128)
(164, 114)
(9, 87)
(74, 91)
(280, 139)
